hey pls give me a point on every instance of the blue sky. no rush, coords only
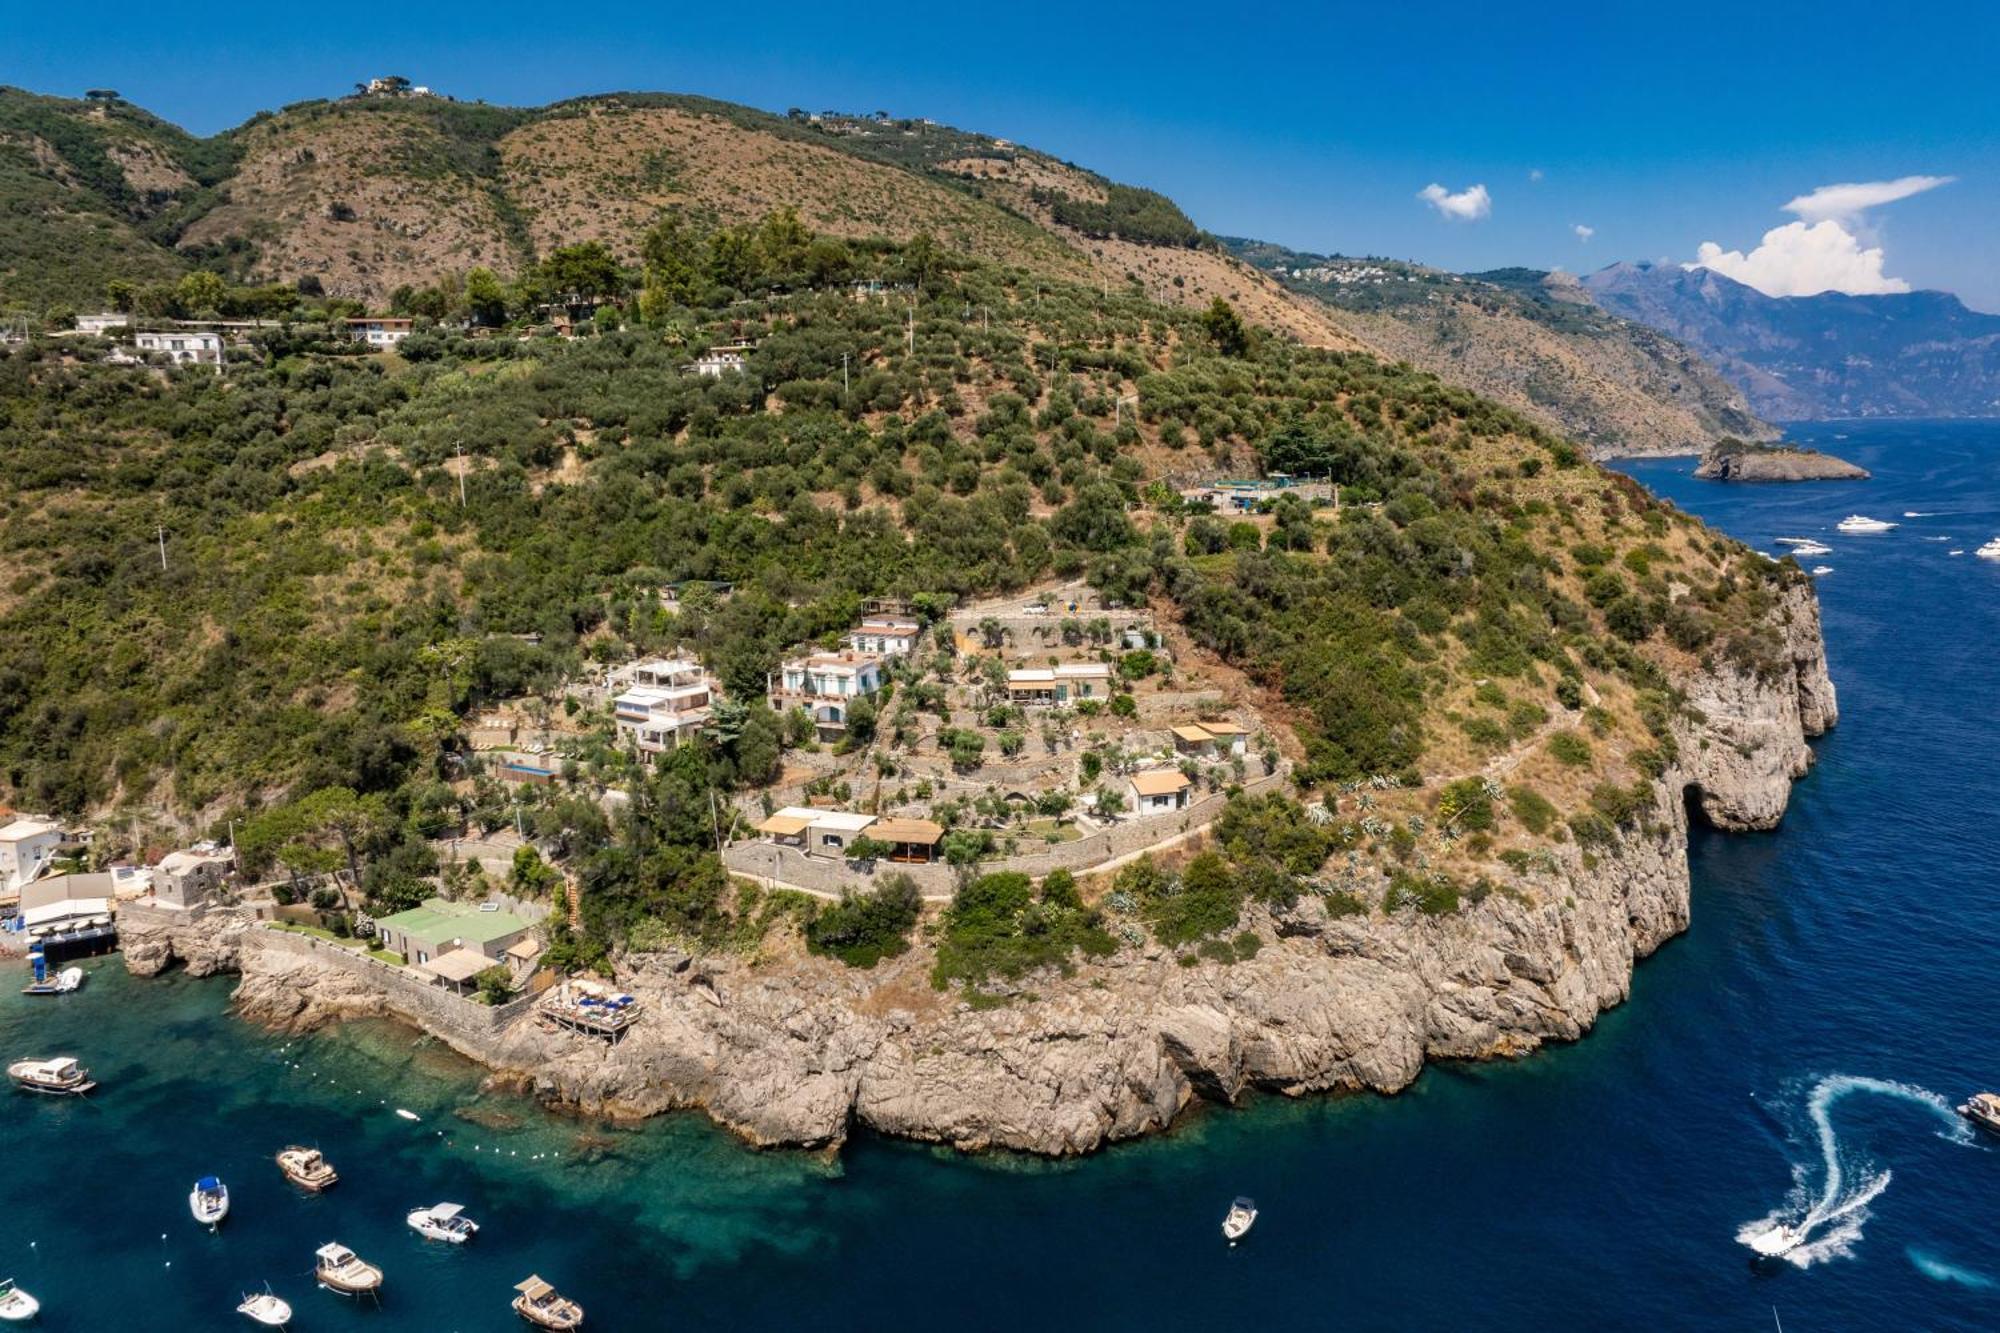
(1659, 128)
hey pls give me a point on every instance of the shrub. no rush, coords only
(1466, 805)
(864, 928)
(1432, 894)
(1533, 809)
(1205, 901)
(1570, 748)
(997, 926)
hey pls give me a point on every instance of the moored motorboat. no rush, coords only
(541, 1305)
(54, 983)
(209, 1202)
(443, 1221)
(1862, 523)
(1983, 1110)
(341, 1270)
(15, 1304)
(1242, 1216)
(305, 1168)
(266, 1309)
(60, 1076)
(1990, 551)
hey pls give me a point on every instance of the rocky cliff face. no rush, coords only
(1725, 463)
(1330, 1003)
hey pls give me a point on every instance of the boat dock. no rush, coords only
(589, 1008)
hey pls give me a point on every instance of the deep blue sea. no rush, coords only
(1848, 959)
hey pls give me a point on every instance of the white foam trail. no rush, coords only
(1925, 513)
(1826, 1226)
(1939, 1270)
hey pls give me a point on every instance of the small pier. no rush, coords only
(590, 1009)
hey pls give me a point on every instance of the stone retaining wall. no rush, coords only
(824, 877)
(423, 1003)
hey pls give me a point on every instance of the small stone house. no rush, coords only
(1160, 791)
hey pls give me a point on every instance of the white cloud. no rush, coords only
(1535, 174)
(1798, 259)
(1583, 233)
(1829, 249)
(1465, 206)
(1841, 202)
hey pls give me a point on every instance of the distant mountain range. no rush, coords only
(1800, 358)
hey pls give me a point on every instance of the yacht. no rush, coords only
(15, 1304)
(305, 1168)
(266, 1309)
(1990, 551)
(1242, 1216)
(1983, 1110)
(443, 1221)
(544, 1307)
(209, 1202)
(1862, 523)
(59, 1077)
(342, 1270)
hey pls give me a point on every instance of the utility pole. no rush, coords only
(160, 531)
(913, 328)
(843, 373)
(461, 475)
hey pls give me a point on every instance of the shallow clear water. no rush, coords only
(1598, 1185)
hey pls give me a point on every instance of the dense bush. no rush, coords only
(864, 928)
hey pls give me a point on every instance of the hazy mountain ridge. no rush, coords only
(1914, 354)
(1532, 340)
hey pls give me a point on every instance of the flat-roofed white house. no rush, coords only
(885, 636)
(666, 702)
(186, 347)
(819, 832)
(27, 846)
(104, 322)
(1160, 791)
(826, 686)
(1065, 684)
(379, 330)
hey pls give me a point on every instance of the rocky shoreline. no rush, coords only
(1735, 461)
(797, 1056)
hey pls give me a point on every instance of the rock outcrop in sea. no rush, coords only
(1733, 460)
(797, 1052)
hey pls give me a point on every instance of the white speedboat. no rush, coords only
(209, 1202)
(1990, 551)
(443, 1221)
(308, 1170)
(266, 1309)
(1822, 569)
(61, 983)
(15, 1304)
(1779, 1240)
(1862, 523)
(59, 1077)
(341, 1270)
(1242, 1216)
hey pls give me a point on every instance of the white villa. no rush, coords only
(1063, 684)
(825, 685)
(885, 636)
(101, 323)
(183, 346)
(1160, 791)
(27, 846)
(664, 701)
(379, 331)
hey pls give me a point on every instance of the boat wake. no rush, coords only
(1808, 1227)
(1941, 1270)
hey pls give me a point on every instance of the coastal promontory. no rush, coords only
(1739, 460)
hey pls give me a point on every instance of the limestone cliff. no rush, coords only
(796, 1057)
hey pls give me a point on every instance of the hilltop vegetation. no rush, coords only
(334, 606)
